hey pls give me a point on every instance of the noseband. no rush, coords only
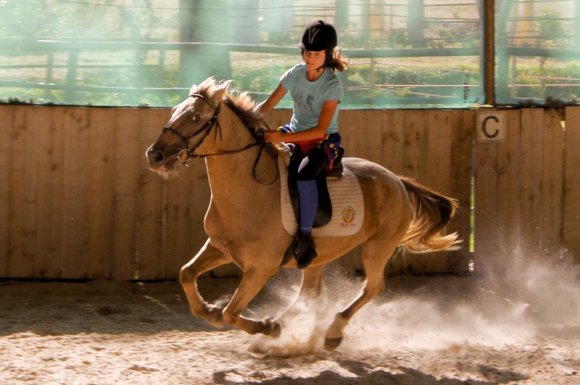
(188, 152)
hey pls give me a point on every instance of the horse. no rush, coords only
(243, 222)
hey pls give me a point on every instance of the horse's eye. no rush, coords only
(195, 117)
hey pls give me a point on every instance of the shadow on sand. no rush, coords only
(365, 375)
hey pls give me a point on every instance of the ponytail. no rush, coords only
(335, 60)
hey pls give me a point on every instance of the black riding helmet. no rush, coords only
(318, 36)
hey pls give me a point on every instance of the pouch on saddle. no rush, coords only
(324, 210)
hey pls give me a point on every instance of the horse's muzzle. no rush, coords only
(155, 157)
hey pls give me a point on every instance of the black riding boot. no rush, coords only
(304, 249)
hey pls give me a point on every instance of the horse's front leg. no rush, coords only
(253, 280)
(208, 258)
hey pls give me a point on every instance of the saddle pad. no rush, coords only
(347, 205)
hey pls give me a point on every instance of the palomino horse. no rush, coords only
(243, 220)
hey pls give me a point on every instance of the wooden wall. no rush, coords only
(434, 147)
(527, 188)
(77, 200)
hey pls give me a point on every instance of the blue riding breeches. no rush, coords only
(315, 161)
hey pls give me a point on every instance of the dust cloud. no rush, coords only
(433, 313)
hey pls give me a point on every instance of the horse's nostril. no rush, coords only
(155, 156)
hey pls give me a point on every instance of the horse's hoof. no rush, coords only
(332, 343)
(271, 328)
(276, 330)
(215, 317)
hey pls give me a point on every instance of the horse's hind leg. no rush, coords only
(375, 254)
(311, 288)
(312, 278)
(208, 258)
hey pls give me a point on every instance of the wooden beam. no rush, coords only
(489, 51)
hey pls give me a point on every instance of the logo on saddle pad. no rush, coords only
(347, 205)
(348, 216)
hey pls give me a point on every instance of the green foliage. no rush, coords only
(456, 33)
(52, 19)
(543, 83)
(83, 67)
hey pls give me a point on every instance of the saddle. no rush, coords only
(324, 210)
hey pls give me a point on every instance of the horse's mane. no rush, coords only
(241, 103)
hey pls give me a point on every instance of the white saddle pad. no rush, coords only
(347, 205)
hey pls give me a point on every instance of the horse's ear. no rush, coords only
(207, 84)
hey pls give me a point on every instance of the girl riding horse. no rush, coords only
(316, 92)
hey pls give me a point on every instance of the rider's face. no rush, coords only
(314, 59)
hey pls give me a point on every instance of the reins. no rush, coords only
(188, 152)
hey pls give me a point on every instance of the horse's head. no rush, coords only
(191, 122)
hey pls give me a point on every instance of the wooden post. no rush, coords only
(6, 127)
(497, 47)
(416, 22)
(577, 22)
(571, 218)
(488, 61)
(71, 77)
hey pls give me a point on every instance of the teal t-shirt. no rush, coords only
(308, 97)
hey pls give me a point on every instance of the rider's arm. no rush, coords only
(268, 105)
(326, 114)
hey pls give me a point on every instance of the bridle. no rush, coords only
(187, 153)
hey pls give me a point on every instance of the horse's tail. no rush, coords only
(432, 211)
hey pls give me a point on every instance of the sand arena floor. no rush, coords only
(422, 331)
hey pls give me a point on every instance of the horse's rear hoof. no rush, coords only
(270, 328)
(332, 343)
(275, 330)
(215, 317)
